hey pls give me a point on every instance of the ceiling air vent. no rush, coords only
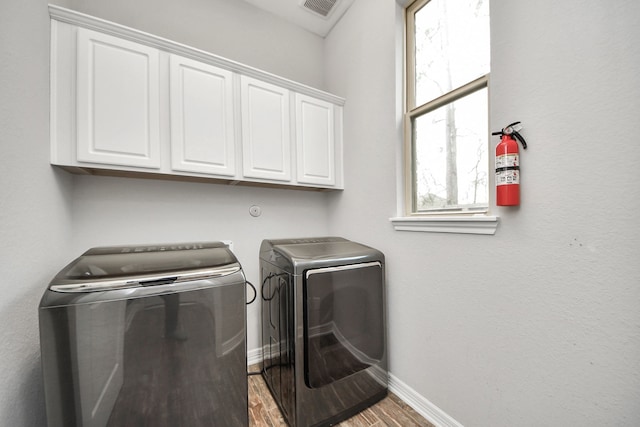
(320, 7)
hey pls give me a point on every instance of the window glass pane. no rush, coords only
(450, 154)
(451, 46)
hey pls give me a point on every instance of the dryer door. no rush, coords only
(343, 321)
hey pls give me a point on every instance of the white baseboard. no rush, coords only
(421, 405)
(254, 356)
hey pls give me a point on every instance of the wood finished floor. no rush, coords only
(391, 411)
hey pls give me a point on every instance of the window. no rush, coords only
(447, 133)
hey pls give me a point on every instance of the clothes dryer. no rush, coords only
(323, 328)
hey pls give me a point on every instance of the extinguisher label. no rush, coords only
(507, 177)
(507, 160)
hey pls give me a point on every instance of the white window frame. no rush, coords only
(475, 222)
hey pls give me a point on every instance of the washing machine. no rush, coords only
(323, 328)
(146, 336)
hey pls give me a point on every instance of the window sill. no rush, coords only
(481, 224)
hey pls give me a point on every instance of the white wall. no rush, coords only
(539, 324)
(35, 217)
(233, 29)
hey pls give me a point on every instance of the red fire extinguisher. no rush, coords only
(508, 165)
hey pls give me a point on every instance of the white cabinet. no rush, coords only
(202, 122)
(124, 102)
(266, 133)
(118, 119)
(315, 141)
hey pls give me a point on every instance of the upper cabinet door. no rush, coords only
(118, 101)
(315, 141)
(201, 103)
(266, 134)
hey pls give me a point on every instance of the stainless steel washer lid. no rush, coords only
(117, 267)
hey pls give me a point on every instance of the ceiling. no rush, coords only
(307, 14)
